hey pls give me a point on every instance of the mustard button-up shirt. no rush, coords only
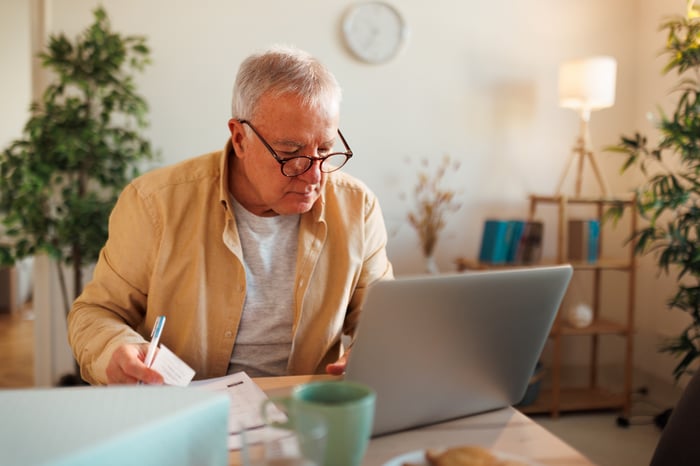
(173, 250)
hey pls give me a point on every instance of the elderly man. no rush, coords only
(259, 255)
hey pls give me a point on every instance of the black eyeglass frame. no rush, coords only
(283, 162)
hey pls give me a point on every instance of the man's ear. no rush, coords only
(238, 136)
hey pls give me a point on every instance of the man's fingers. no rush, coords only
(338, 367)
(335, 369)
(152, 377)
(126, 367)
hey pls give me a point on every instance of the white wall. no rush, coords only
(15, 57)
(477, 80)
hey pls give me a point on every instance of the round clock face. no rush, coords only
(374, 31)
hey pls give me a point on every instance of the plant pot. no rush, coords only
(431, 265)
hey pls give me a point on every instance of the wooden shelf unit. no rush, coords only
(575, 399)
(592, 397)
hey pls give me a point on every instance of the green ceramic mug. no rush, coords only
(348, 409)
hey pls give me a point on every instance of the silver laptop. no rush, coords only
(447, 346)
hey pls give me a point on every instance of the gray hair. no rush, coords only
(283, 70)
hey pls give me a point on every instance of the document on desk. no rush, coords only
(246, 403)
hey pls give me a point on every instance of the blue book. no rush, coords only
(494, 241)
(530, 244)
(584, 240)
(593, 240)
(516, 233)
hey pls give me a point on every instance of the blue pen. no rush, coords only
(155, 337)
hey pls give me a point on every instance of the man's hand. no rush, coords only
(338, 367)
(126, 366)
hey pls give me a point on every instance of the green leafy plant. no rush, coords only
(80, 146)
(432, 203)
(669, 198)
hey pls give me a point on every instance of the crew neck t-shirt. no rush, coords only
(264, 338)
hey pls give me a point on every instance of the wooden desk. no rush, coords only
(506, 430)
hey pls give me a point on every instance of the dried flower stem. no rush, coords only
(433, 203)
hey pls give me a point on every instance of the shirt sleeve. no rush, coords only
(376, 265)
(112, 306)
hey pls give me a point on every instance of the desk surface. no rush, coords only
(506, 430)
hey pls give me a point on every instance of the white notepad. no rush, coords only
(174, 370)
(245, 409)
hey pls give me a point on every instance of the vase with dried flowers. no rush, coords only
(432, 203)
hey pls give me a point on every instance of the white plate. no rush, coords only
(418, 458)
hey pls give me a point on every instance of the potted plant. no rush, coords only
(669, 197)
(80, 146)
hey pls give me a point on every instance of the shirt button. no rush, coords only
(228, 334)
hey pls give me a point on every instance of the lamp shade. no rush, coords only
(587, 84)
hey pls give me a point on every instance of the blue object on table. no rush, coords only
(114, 426)
(593, 240)
(495, 241)
(517, 228)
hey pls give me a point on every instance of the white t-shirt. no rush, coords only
(264, 337)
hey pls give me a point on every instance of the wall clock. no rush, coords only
(374, 31)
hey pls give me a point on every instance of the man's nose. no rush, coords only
(313, 174)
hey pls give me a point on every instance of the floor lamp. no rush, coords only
(586, 85)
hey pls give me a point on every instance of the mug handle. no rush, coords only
(283, 403)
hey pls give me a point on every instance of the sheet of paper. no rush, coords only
(246, 407)
(174, 370)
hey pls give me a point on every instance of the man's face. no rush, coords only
(291, 129)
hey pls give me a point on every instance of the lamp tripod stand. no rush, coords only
(581, 152)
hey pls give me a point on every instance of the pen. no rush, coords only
(155, 337)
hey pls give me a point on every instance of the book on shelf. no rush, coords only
(516, 233)
(583, 240)
(495, 241)
(512, 241)
(530, 243)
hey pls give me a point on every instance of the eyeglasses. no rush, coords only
(300, 164)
